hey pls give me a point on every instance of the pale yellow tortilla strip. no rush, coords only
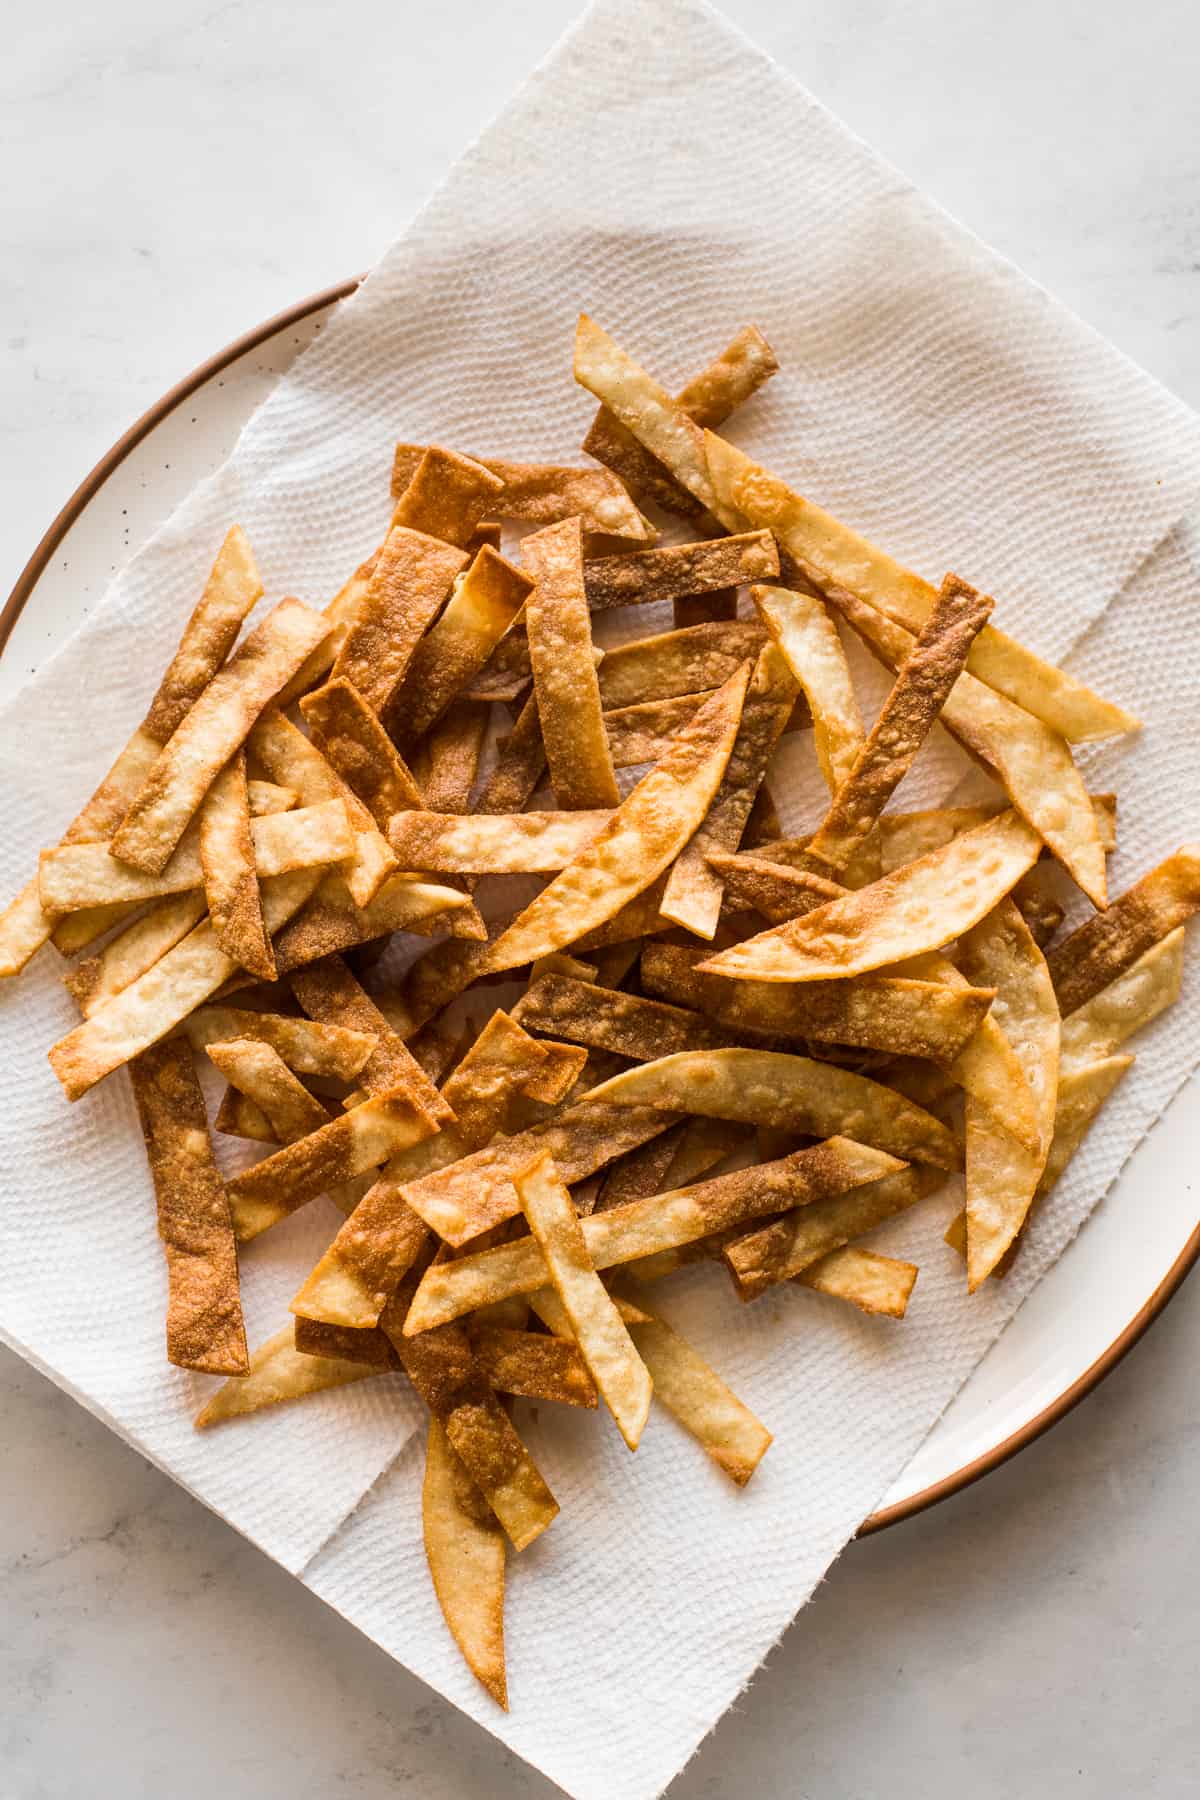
(307, 1046)
(808, 639)
(101, 977)
(880, 1285)
(694, 1394)
(466, 1551)
(494, 843)
(278, 1372)
(674, 664)
(780, 1252)
(1101, 948)
(1143, 990)
(259, 1072)
(228, 859)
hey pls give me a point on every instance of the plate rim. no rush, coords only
(22, 592)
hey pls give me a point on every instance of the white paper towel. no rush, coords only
(664, 175)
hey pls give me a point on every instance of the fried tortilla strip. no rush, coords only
(450, 756)
(773, 889)
(644, 835)
(680, 571)
(695, 1395)
(259, 1073)
(658, 422)
(520, 760)
(211, 732)
(1002, 1174)
(289, 757)
(278, 1371)
(604, 1342)
(264, 797)
(135, 950)
(237, 1116)
(161, 998)
(1032, 763)
(564, 672)
(1104, 947)
(708, 399)
(411, 580)
(447, 496)
(348, 734)
(875, 1284)
(674, 664)
(553, 1314)
(644, 733)
(916, 908)
(465, 1549)
(808, 638)
(1041, 910)
(507, 673)
(472, 1195)
(781, 1251)
(545, 493)
(905, 836)
(880, 1012)
(333, 923)
(372, 1347)
(644, 1227)
(480, 610)
(493, 844)
(204, 1306)
(923, 683)
(350, 1145)
(786, 1093)
(532, 1366)
(228, 857)
(85, 874)
(645, 1170)
(1143, 990)
(332, 996)
(604, 1020)
(231, 591)
(374, 1251)
(694, 890)
(831, 555)
(305, 1045)
(341, 613)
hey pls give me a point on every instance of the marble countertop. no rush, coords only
(185, 172)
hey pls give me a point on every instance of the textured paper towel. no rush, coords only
(662, 173)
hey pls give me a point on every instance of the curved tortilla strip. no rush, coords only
(466, 1551)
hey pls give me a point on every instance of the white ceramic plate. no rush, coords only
(1090, 1308)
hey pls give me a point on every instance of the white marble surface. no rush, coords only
(182, 172)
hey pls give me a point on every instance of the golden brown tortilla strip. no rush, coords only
(372, 1346)
(891, 1013)
(604, 1020)
(216, 726)
(520, 761)
(645, 1170)
(411, 580)
(644, 835)
(905, 836)
(161, 998)
(260, 1073)
(916, 908)
(450, 755)
(465, 1550)
(332, 996)
(680, 571)
(695, 1395)
(673, 664)
(233, 588)
(307, 1046)
(773, 889)
(447, 496)
(546, 493)
(644, 1227)
(278, 1371)
(880, 1285)
(332, 922)
(236, 1116)
(564, 671)
(228, 859)
(831, 555)
(694, 890)
(532, 1366)
(743, 366)
(808, 638)
(785, 1249)
(349, 1145)
(493, 844)
(264, 797)
(1103, 947)
(1143, 990)
(786, 1093)
(204, 1307)
(135, 950)
(480, 610)
(348, 733)
(644, 733)
(923, 683)
(507, 673)
(603, 1338)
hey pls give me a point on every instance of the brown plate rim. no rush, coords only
(22, 592)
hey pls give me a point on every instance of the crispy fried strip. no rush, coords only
(644, 733)
(1143, 990)
(216, 726)
(1103, 947)
(694, 890)
(232, 589)
(204, 1306)
(785, 1249)
(348, 733)
(695, 1395)
(923, 683)
(228, 856)
(774, 889)
(137, 949)
(914, 909)
(308, 1047)
(465, 1549)
(875, 1284)
(411, 580)
(485, 602)
(831, 555)
(264, 797)
(680, 571)
(564, 672)
(546, 493)
(674, 664)
(330, 994)
(332, 922)
(260, 1073)
(708, 399)
(643, 836)
(808, 638)
(237, 1116)
(493, 844)
(643, 1171)
(892, 1013)
(520, 760)
(905, 836)
(278, 1371)
(447, 496)
(532, 1366)
(450, 754)
(643, 1227)
(604, 1342)
(161, 998)
(604, 1020)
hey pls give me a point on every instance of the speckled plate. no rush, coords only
(1088, 1311)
